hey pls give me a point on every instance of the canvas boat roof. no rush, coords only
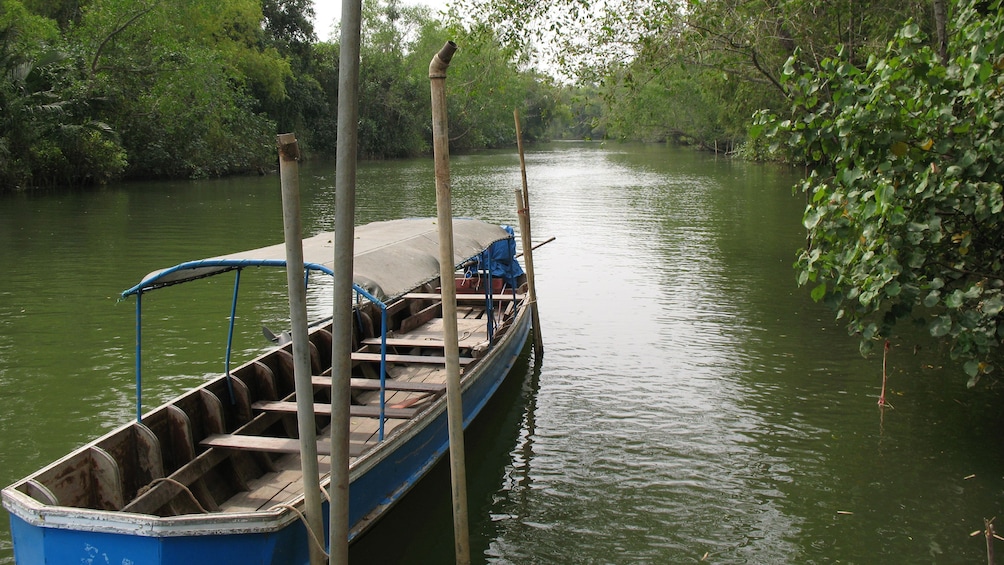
(391, 257)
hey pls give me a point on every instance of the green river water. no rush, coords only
(692, 404)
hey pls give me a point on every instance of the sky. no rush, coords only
(327, 11)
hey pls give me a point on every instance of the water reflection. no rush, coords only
(637, 369)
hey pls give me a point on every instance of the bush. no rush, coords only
(905, 204)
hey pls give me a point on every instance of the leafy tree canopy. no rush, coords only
(189, 88)
(689, 69)
(25, 30)
(905, 212)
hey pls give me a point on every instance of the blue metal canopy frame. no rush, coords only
(219, 266)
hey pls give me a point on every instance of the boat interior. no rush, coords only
(231, 445)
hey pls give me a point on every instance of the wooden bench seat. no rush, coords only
(325, 410)
(460, 296)
(275, 444)
(390, 384)
(395, 358)
(161, 493)
(406, 342)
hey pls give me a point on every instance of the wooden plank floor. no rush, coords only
(275, 487)
(286, 482)
(471, 331)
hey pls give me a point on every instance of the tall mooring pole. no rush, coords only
(444, 212)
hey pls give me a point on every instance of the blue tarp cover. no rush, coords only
(502, 258)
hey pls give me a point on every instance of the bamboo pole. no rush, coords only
(289, 177)
(539, 245)
(523, 208)
(444, 209)
(341, 309)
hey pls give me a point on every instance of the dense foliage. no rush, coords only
(693, 70)
(905, 213)
(92, 90)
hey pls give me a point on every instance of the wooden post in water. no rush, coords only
(444, 210)
(289, 153)
(523, 208)
(344, 257)
(988, 531)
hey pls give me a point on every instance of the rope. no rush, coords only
(182, 486)
(178, 484)
(313, 536)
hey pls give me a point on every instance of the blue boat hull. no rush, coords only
(45, 545)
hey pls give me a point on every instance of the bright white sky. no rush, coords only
(327, 12)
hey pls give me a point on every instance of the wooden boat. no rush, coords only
(213, 476)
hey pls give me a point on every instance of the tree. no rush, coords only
(288, 25)
(487, 82)
(691, 69)
(485, 86)
(394, 91)
(176, 80)
(905, 212)
(46, 133)
(194, 88)
(304, 109)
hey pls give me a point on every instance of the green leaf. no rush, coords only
(969, 75)
(992, 306)
(819, 292)
(972, 368)
(892, 289)
(954, 300)
(812, 217)
(931, 300)
(986, 69)
(941, 326)
(885, 194)
(851, 175)
(869, 332)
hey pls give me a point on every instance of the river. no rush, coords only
(692, 403)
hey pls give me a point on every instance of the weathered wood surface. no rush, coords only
(461, 296)
(325, 410)
(406, 342)
(396, 358)
(276, 444)
(390, 384)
